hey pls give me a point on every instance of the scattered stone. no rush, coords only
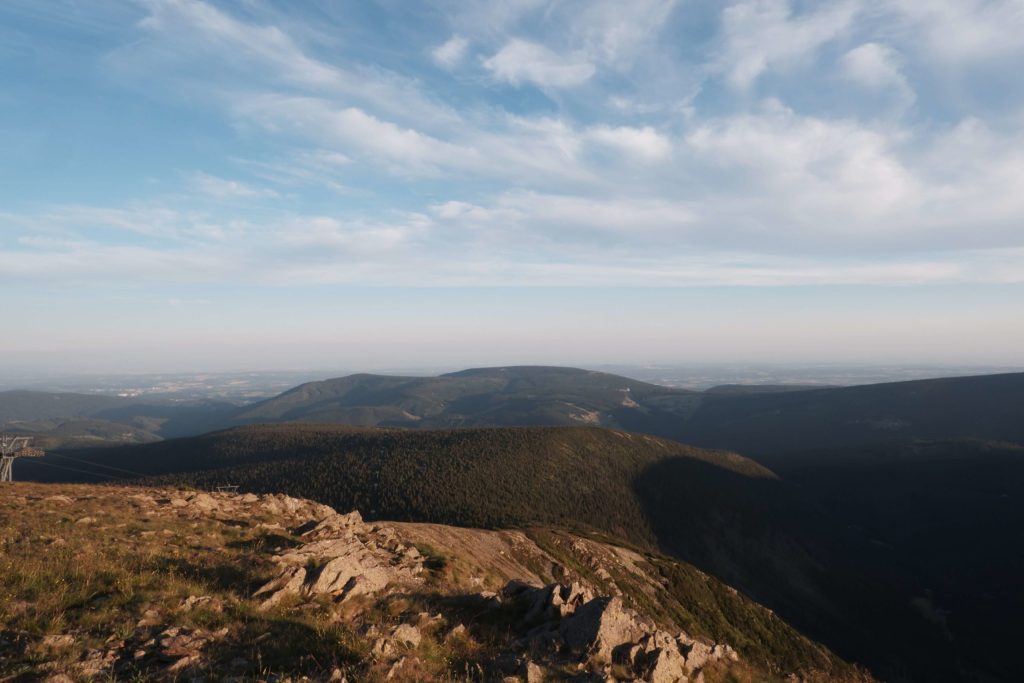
(406, 634)
(556, 601)
(204, 601)
(381, 647)
(533, 673)
(86, 520)
(55, 643)
(460, 631)
(97, 662)
(18, 607)
(203, 501)
(402, 664)
(65, 500)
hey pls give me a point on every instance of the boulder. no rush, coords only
(697, 652)
(601, 625)
(665, 665)
(65, 500)
(406, 634)
(203, 501)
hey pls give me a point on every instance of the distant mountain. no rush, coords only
(69, 420)
(478, 397)
(753, 420)
(749, 420)
(982, 407)
(18, 406)
(722, 512)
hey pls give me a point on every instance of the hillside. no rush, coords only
(950, 512)
(721, 512)
(164, 584)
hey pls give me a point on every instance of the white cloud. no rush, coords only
(572, 220)
(763, 34)
(212, 53)
(643, 143)
(237, 40)
(350, 237)
(223, 188)
(520, 62)
(836, 186)
(451, 53)
(963, 30)
(614, 32)
(310, 250)
(812, 167)
(626, 189)
(402, 150)
(877, 67)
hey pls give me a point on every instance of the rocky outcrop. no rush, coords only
(596, 632)
(343, 558)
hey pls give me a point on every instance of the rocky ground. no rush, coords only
(107, 583)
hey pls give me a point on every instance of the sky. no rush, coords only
(192, 185)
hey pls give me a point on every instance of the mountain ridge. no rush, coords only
(721, 512)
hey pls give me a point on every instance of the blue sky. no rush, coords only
(336, 184)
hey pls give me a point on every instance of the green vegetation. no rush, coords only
(569, 477)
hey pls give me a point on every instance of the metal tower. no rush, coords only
(12, 447)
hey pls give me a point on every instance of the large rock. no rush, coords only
(600, 626)
(557, 601)
(660, 659)
(665, 666)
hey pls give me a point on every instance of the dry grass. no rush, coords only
(112, 574)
